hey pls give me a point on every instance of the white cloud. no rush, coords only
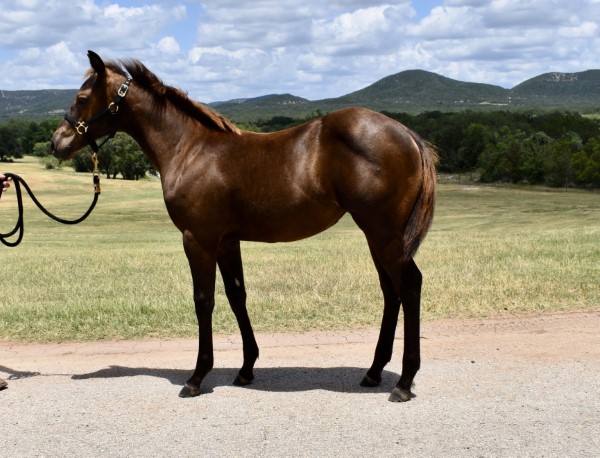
(41, 23)
(584, 30)
(44, 68)
(220, 49)
(60, 32)
(374, 30)
(168, 45)
(507, 41)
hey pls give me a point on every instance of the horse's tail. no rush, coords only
(421, 217)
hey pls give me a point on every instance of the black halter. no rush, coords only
(82, 126)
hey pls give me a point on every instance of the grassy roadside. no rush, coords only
(123, 274)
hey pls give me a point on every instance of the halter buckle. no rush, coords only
(122, 92)
(81, 125)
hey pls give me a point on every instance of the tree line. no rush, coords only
(120, 156)
(559, 149)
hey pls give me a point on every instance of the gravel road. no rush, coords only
(513, 387)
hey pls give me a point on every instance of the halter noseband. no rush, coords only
(82, 126)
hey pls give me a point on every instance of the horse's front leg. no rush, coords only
(202, 260)
(229, 260)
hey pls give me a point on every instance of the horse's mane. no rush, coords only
(161, 93)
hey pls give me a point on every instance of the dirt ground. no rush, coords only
(522, 386)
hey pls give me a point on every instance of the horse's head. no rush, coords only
(92, 113)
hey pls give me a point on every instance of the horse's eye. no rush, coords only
(82, 100)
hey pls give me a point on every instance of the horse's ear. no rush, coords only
(96, 62)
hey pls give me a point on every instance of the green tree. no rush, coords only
(474, 141)
(502, 157)
(120, 155)
(35, 132)
(586, 164)
(557, 124)
(9, 144)
(41, 149)
(514, 156)
(536, 149)
(82, 160)
(129, 160)
(559, 167)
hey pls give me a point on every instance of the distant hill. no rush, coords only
(410, 91)
(418, 88)
(579, 89)
(265, 100)
(415, 91)
(264, 107)
(35, 105)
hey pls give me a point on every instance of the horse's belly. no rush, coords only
(288, 226)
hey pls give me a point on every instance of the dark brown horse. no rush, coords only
(222, 185)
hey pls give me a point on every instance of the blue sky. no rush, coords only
(224, 49)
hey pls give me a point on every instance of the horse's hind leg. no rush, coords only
(230, 265)
(385, 344)
(412, 281)
(401, 284)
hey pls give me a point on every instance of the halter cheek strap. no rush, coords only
(82, 126)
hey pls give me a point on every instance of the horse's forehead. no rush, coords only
(89, 81)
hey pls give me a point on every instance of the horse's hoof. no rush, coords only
(368, 382)
(189, 391)
(240, 380)
(400, 395)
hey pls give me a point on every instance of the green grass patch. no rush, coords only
(122, 274)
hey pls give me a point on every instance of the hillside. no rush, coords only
(582, 89)
(35, 105)
(416, 91)
(411, 91)
(264, 107)
(414, 88)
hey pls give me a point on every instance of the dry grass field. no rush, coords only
(122, 274)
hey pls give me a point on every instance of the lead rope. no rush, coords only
(20, 226)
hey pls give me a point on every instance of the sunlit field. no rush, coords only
(122, 273)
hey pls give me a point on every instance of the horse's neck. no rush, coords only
(159, 136)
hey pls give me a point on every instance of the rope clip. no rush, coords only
(96, 173)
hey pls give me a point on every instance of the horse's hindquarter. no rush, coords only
(377, 165)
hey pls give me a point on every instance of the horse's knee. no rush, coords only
(203, 305)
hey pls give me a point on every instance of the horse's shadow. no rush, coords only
(277, 379)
